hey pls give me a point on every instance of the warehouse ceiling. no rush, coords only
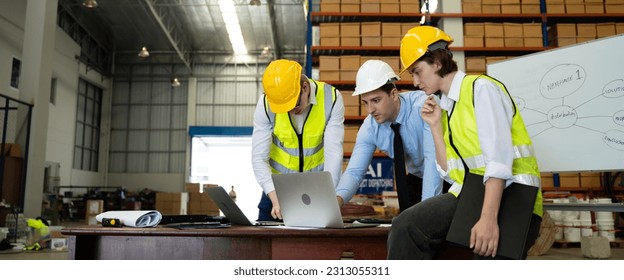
(184, 31)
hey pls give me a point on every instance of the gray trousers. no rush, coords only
(418, 231)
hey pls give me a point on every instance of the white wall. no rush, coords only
(61, 121)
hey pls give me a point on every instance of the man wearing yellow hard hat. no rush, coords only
(477, 132)
(298, 127)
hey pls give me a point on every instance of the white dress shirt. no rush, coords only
(332, 140)
(494, 112)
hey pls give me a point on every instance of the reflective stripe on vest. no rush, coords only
(291, 152)
(460, 135)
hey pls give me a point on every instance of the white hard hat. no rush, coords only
(372, 75)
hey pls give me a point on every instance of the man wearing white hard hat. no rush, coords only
(389, 111)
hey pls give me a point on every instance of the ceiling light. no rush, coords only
(90, 3)
(175, 82)
(228, 12)
(143, 53)
(254, 3)
(266, 52)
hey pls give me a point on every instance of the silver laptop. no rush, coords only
(309, 200)
(231, 211)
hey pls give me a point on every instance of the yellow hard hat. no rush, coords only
(417, 42)
(281, 82)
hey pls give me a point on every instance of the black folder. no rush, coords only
(514, 215)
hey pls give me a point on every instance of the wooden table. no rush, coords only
(236, 242)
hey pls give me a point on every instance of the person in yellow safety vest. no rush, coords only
(485, 128)
(298, 127)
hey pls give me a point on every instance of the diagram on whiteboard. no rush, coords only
(572, 102)
(564, 80)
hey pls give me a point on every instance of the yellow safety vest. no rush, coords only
(291, 152)
(460, 132)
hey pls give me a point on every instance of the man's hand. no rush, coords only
(276, 213)
(340, 201)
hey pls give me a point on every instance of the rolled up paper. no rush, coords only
(133, 218)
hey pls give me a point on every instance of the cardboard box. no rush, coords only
(350, 133)
(330, 7)
(330, 42)
(409, 8)
(407, 26)
(619, 27)
(582, 39)
(172, 203)
(348, 75)
(391, 29)
(473, 41)
(202, 204)
(491, 8)
(349, 7)
(575, 8)
(510, 8)
(369, 8)
(349, 99)
(475, 64)
(594, 8)
(391, 41)
(370, 29)
(513, 30)
(393, 61)
(471, 7)
(558, 8)
(493, 29)
(532, 30)
(349, 62)
(605, 29)
(349, 29)
(530, 8)
(547, 180)
(514, 42)
(330, 63)
(352, 111)
(326, 76)
(389, 8)
(614, 9)
(474, 29)
(533, 42)
(494, 42)
(350, 41)
(569, 180)
(493, 59)
(591, 180)
(565, 41)
(371, 41)
(329, 30)
(586, 30)
(564, 30)
(347, 147)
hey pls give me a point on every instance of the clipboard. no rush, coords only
(514, 215)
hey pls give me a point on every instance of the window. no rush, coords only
(222, 156)
(53, 91)
(15, 73)
(87, 141)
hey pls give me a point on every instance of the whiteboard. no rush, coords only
(572, 103)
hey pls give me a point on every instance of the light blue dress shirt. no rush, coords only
(418, 145)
